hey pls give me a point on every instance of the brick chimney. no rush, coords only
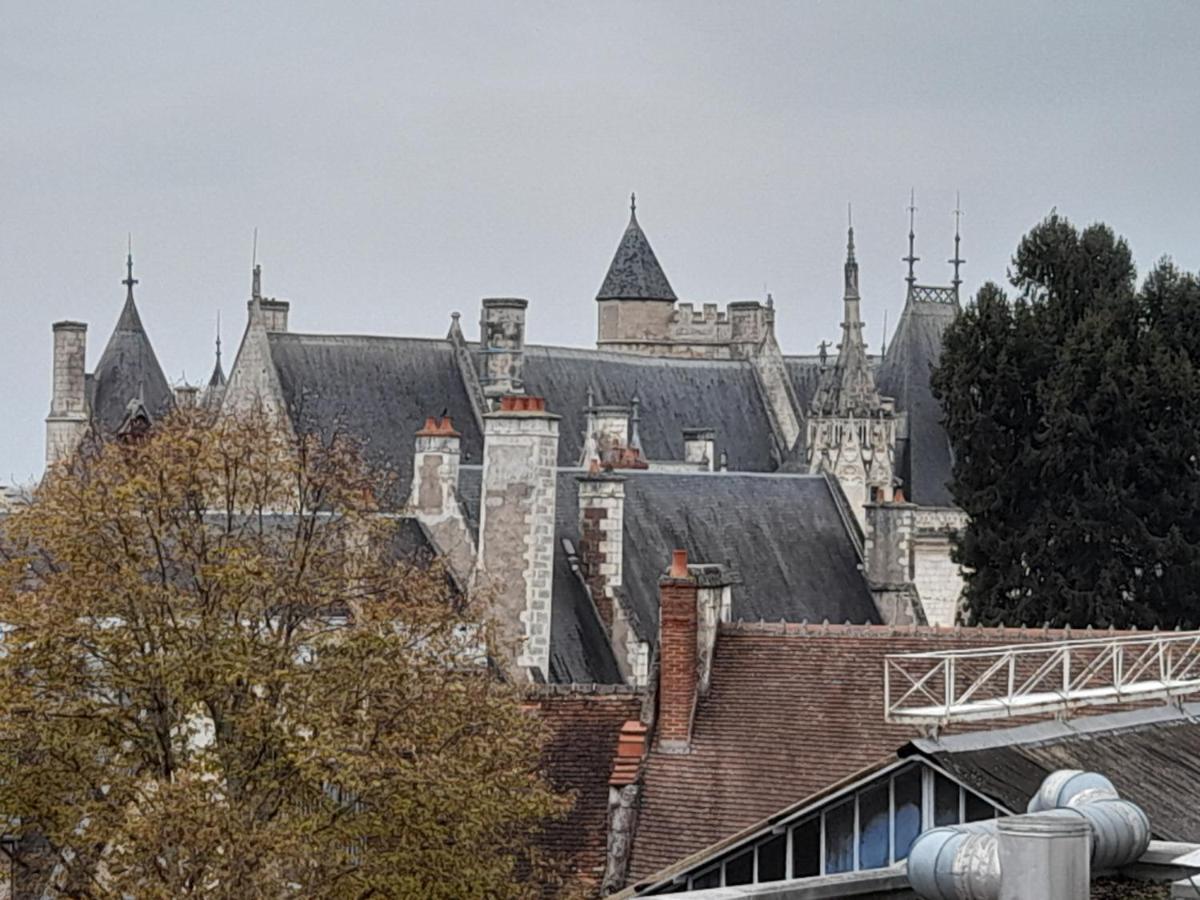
(601, 537)
(68, 416)
(434, 495)
(516, 528)
(677, 637)
(502, 345)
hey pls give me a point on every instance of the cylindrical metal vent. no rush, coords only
(1044, 855)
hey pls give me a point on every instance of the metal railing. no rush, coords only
(940, 687)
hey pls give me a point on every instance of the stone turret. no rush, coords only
(636, 302)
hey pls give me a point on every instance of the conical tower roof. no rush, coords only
(634, 273)
(128, 370)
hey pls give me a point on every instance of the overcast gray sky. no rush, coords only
(404, 160)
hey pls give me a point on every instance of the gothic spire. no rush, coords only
(958, 260)
(912, 256)
(217, 379)
(851, 286)
(129, 281)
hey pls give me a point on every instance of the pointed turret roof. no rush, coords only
(217, 379)
(128, 369)
(634, 273)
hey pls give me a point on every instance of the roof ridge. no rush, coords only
(536, 691)
(869, 629)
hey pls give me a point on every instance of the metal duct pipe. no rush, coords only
(1044, 855)
(965, 862)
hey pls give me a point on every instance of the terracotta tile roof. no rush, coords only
(791, 709)
(584, 724)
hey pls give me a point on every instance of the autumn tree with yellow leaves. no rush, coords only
(221, 675)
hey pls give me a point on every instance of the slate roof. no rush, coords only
(379, 390)
(791, 709)
(923, 458)
(782, 535)
(634, 273)
(1151, 755)
(127, 370)
(582, 728)
(675, 394)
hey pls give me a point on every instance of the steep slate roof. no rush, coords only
(812, 698)
(127, 370)
(782, 534)
(377, 389)
(924, 460)
(1151, 755)
(634, 273)
(675, 394)
(583, 727)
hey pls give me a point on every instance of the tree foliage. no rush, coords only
(220, 678)
(1073, 410)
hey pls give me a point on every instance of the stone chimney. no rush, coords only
(888, 553)
(502, 345)
(516, 528)
(186, 396)
(677, 637)
(275, 313)
(67, 421)
(434, 495)
(606, 432)
(699, 447)
(601, 538)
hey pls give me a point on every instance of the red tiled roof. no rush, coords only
(791, 709)
(584, 725)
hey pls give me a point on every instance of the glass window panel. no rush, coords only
(874, 827)
(806, 849)
(907, 800)
(740, 869)
(945, 801)
(709, 879)
(978, 808)
(839, 838)
(772, 859)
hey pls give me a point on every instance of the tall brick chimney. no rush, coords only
(434, 495)
(502, 345)
(67, 420)
(516, 528)
(677, 638)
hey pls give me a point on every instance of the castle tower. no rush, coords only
(635, 301)
(851, 429)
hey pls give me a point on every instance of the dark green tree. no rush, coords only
(1074, 413)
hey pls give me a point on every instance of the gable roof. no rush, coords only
(1151, 755)
(127, 371)
(379, 390)
(582, 727)
(634, 273)
(812, 697)
(924, 460)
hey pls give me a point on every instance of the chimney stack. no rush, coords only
(275, 313)
(516, 529)
(68, 416)
(434, 494)
(502, 345)
(699, 447)
(677, 639)
(601, 538)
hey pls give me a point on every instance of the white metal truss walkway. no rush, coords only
(941, 687)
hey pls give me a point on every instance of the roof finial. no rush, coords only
(849, 234)
(912, 257)
(129, 281)
(256, 277)
(632, 203)
(218, 337)
(883, 340)
(958, 260)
